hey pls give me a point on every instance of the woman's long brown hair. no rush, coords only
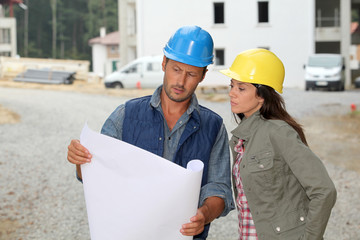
(274, 108)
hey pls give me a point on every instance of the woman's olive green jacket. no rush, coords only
(288, 189)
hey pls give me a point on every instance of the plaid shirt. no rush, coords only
(247, 229)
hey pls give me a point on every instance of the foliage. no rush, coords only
(76, 23)
(354, 15)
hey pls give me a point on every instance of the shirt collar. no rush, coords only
(155, 98)
(155, 101)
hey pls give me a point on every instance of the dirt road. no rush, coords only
(39, 200)
(333, 138)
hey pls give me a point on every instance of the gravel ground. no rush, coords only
(41, 199)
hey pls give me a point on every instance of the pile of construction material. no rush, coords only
(46, 76)
(12, 67)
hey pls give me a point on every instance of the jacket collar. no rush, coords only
(247, 126)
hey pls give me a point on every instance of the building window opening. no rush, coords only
(219, 57)
(263, 11)
(219, 13)
(5, 36)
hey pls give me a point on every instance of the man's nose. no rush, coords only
(182, 79)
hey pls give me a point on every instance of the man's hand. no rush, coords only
(196, 225)
(211, 209)
(78, 154)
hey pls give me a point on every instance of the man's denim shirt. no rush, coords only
(219, 179)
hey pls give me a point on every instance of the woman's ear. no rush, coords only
(260, 100)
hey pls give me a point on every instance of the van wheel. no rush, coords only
(340, 88)
(117, 85)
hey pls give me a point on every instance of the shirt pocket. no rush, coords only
(260, 161)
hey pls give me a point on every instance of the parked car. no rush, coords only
(357, 82)
(325, 71)
(144, 72)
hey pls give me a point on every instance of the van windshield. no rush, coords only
(134, 68)
(324, 61)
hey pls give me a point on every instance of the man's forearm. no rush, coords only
(212, 208)
(78, 171)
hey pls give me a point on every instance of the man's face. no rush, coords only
(180, 80)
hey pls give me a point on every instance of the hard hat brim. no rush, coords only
(187, 60)
(237, 77)
(231, 74)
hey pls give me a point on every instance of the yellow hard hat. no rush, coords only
(259, 66)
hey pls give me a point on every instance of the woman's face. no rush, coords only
(243, 98)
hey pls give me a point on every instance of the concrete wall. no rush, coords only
(99, 59)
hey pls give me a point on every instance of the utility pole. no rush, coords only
(54, 24)
(26, 29)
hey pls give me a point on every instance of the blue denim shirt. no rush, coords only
(219, 178)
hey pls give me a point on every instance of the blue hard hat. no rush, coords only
(190, 45)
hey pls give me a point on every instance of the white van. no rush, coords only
(144, 72)
(325, 71)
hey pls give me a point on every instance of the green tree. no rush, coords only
(63, 28)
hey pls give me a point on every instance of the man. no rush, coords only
(172, 124)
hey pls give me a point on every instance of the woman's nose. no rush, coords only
(231, 92)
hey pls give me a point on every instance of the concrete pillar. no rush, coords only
(345, 22)
(123, 45)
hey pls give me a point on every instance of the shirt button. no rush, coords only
(180, 122)
(302, 219)
(159, 138)
(194, 127)
(278, 229)
(261, 166)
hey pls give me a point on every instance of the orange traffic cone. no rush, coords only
(353, 107)
(138, 85)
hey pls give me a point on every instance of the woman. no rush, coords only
(282, 188)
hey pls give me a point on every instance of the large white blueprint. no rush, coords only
(132, 194)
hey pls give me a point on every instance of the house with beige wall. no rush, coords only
(7, 35)
(105, 53)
